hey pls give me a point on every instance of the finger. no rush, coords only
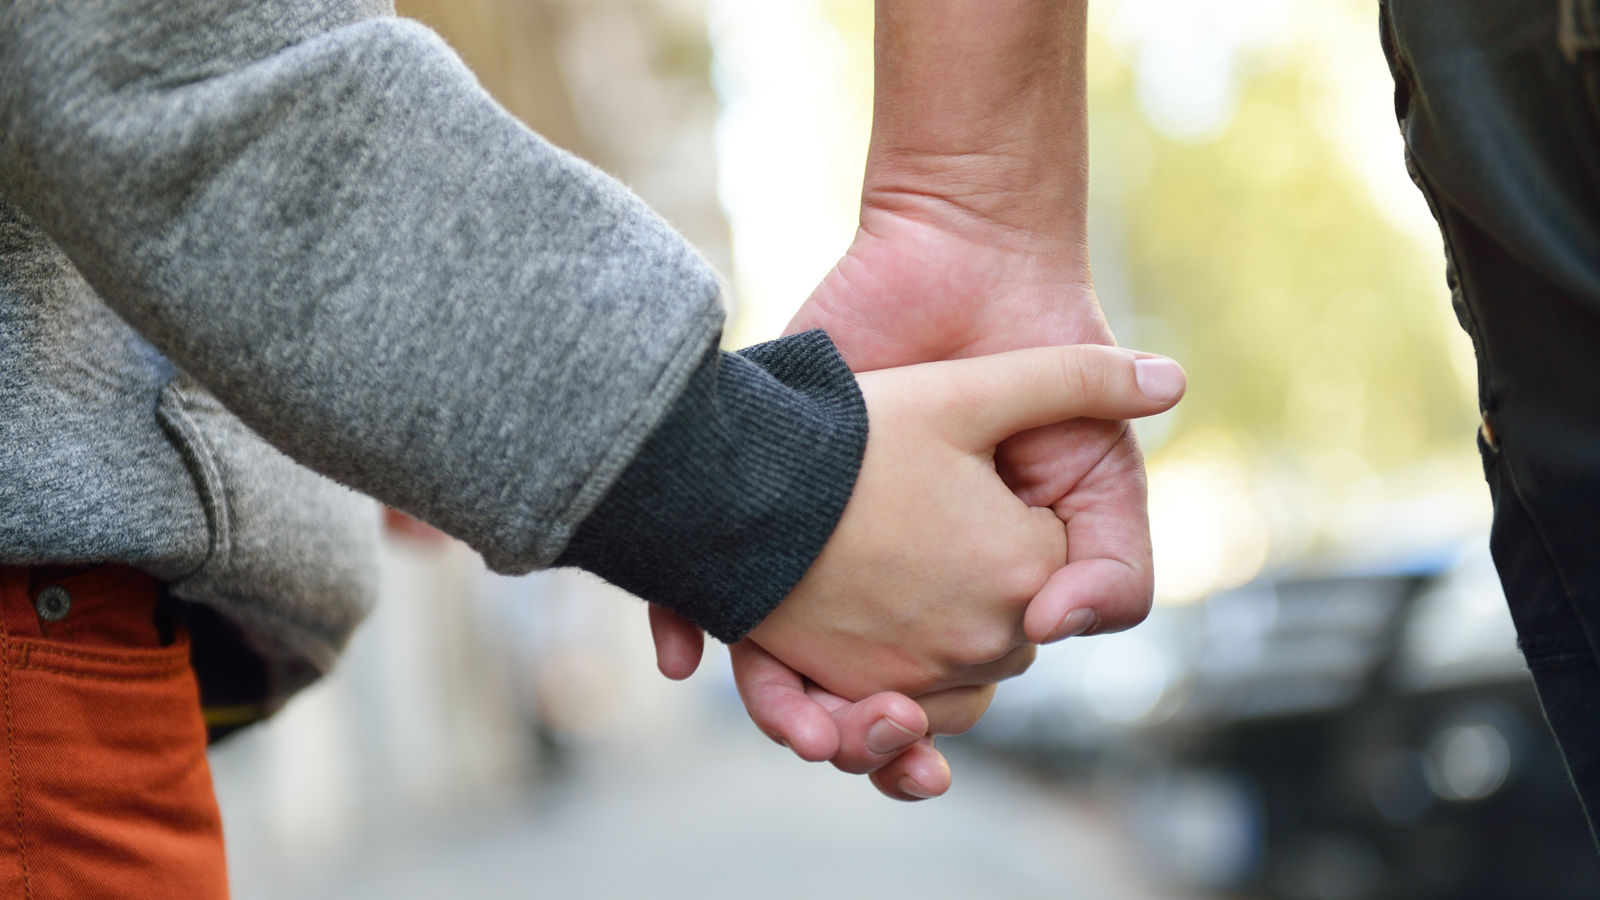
(679, 644)
(1007, 393)
(1108, 581)
(775, 697)
(955, 711)
(920, 773)
(872, 732)
(1011, 665)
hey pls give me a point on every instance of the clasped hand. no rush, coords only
(926, 584)
(926, 581)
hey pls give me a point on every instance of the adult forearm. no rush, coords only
(979, 103)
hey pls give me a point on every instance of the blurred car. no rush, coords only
(1079, 700)
(1354, 734)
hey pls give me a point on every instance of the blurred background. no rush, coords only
(1326, 703)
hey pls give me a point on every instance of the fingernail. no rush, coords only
(1077, 622)
(1160, 379)
(888, 736)
(908, 786)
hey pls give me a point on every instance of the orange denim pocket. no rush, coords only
(105, 791)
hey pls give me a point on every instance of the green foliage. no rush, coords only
(1309, 324)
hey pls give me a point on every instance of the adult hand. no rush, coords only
(932, 283)
(973, 239)
(921, 585)
(820, 726)
(936, 281)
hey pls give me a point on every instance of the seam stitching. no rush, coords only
(11, 752)
(173, 413)
(171, 654)
(162, 675)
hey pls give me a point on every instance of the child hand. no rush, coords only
(924, 584)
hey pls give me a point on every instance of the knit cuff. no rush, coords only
(733, 495)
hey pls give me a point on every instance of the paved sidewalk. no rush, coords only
(732, 816)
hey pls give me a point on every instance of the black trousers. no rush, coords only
(1499, 101)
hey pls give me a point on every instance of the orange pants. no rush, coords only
(104, 787)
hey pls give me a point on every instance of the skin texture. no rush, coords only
(973, 240)
(923, 585)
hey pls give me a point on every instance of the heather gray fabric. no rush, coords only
(109, 454)
(304, 220)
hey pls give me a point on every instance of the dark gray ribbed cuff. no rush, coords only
(731, 498)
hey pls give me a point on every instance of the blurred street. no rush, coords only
(1327, 702)
(491, 737)
(730, 815)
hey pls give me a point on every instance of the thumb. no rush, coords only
(1007, 393)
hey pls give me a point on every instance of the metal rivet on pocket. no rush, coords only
(53, 604)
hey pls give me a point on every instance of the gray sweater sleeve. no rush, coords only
(312, 208)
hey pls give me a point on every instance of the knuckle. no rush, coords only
(986, 646)
(1019, 661)
(1084, 373)
(1025, 578)
(919, 678)
(959, 717)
